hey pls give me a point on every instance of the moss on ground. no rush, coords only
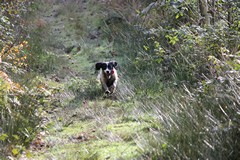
(100, 149)
(126, 131)
(84, 140)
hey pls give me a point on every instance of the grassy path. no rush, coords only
(87, 126)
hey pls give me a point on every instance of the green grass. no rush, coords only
(102, 139)
(99, 149)
(126, 131)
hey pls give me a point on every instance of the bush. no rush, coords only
(186, 76)
(23, 96)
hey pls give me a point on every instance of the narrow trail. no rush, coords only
(87, 126)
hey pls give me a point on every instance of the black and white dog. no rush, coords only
(108, 76)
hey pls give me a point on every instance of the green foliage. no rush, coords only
(186, 76)
(21, 114)
(22, 98)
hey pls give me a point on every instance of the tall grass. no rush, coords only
(189, 88)
(191, 127)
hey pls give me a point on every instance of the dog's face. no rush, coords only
(107, 67)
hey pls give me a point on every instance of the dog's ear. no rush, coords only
(114, 64)
(98, 65)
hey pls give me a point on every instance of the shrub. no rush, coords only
(22, 97)
(186, 76)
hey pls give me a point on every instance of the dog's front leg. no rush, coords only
(113, 87)
(105, 88)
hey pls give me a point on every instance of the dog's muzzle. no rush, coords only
(109, 73)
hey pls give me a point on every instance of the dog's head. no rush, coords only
(107, 67)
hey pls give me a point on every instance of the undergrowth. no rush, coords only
(25, 93)
(183, 77)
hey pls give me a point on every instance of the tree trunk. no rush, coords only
(229, 10)
(213, 12)
(203, 6)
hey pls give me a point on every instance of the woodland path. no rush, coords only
(86, 126)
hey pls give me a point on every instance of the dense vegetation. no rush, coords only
(179, 75)
(185, 64)
(23, 91)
